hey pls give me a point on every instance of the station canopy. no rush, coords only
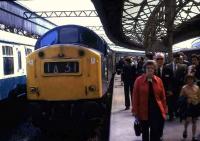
(131, 23)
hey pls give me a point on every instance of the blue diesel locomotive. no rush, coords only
(70, 77)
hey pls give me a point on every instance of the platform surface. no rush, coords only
(121, 125)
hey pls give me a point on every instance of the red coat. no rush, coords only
(140, 97)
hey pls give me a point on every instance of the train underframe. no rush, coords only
(81, 119)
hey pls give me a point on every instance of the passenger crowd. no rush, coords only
(161, 90)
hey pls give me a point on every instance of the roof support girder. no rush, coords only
(53, 14)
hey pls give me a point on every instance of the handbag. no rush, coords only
(137, 127)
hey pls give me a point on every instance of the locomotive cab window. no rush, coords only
(8, 60)
(69, 36)
(50, 39)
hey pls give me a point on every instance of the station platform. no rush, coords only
(121, 124)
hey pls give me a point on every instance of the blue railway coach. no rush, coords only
(13, 51)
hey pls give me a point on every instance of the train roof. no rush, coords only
(11, 38)
(72, 34)
(188, 49)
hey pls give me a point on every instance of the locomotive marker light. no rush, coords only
(34, 90)
(41, 54)
(93, 60)
(92, 88)
(30, 62)
(61, 55)
(81, 52)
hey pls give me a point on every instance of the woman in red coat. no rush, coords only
(149, 102)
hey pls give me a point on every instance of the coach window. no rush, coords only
(28, 51)
(19, 60)
(105, 69)
(8, 60)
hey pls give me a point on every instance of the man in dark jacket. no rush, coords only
(140, 64)
(119, 68)
(166, 76)
(179, 71)
(129, 72)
